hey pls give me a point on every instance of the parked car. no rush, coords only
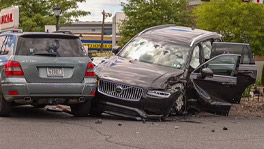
(45, 69)
(169, 69)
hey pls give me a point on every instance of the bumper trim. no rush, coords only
(141, 113)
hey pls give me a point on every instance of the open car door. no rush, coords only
(247, 71)
(216, 82)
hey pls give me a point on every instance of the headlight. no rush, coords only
(158, 94)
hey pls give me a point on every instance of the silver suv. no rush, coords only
(45, 69)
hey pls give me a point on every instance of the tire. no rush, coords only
(179, 107)
(82, 109)
(5, 107)
(96, 110)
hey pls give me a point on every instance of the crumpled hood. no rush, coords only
(135, 73)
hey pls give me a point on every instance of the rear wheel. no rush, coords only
(5, 107)
(82, 109)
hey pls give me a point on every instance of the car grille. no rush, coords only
(120, 91)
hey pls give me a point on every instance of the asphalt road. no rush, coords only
(37, 128)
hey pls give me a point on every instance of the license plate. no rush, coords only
(54, 72)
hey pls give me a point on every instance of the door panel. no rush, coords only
(247, 71)
(217, 92)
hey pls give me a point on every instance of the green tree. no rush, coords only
(141, 14)
(235, 20)
(35, 14)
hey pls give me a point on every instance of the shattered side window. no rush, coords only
(195, 61)
(7, 44)
(207, 49)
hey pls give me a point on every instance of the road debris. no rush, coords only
(99, 121)
(225, 128)
(59, 108)
(213, 130)
(176, 127)
(119, 124)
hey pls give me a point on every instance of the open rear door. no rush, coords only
(219, 90)
(247, 71)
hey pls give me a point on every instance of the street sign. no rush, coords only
(9, 18)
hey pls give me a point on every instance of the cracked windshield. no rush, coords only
(159, 53)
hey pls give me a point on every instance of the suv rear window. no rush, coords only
(50, 46)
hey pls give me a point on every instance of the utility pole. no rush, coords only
(57, 12)
(105, 15)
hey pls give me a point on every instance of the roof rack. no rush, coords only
(64, 32)
(12, 31)
(156, 27)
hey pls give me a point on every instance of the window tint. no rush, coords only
(7, 44)
(246, 56)
(59, 47)
(223, 65)
(233, 48)
(195, 61)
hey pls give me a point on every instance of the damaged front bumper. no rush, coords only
(145, 108)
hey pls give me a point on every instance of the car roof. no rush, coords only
(41, 34)
(179, 34)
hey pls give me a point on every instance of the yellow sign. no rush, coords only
(97, 45)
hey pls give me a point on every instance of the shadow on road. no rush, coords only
(38, 113)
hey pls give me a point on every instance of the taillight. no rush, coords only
(13, 68)
(90, 70)
(12, 93)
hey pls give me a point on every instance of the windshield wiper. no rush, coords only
(46, 54)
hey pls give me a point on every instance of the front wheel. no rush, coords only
(96, 110)
(5, 107)
(82, 109)
(179, 107)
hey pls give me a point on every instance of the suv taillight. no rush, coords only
(90, 70)
(13, 68)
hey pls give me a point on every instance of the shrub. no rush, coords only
(247, 90)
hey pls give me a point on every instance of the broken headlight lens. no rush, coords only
(158, 94)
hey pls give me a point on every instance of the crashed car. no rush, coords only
(170, 69)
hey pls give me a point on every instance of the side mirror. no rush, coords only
(207, 72)
(116, 49)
